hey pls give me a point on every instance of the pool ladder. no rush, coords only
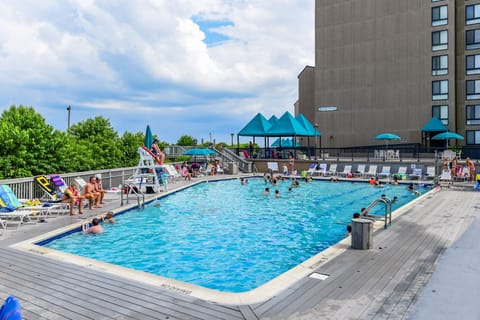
(132, 189)
(388, 209)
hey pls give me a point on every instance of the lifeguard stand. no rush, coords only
(149, 174)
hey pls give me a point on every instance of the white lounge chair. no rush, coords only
(372, 171)
(445, 178)
(332, 171)
(430, 174)
(360, 170)
(272, 166)
(385, 173)
(417, 173)
(311, 169)
(347, 169)
(321, 169)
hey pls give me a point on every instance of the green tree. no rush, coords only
(186, 140)
(29, 145)
(99, 142)
(130, 144)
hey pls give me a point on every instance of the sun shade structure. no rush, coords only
(198, 152)
(287, 126)
(387, 136)
(257, 127)
(447, 135)
(434, 125)
(308, 126)
(287, 143)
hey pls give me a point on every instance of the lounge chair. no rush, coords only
(445, 178)
(347, 170)
(430, 174)
(463, 174)
(311, 169)
(401, 173)
(172, 172)
(48, 187)
(321, 169)
(385, 173)
(332, 171)
(416, 174)
(372, 171)
(12, 209)
(272, 167)
(360, 170)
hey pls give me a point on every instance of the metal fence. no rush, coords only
(26, 188)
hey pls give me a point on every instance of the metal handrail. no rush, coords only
(138, 193)
(388, 209)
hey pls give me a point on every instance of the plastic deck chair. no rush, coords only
(11, 309)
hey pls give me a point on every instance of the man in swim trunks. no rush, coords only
(96, 228)
(90, 194)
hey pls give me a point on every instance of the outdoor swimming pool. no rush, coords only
(229, 237)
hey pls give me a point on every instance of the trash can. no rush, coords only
(233, 168)
(362, 234)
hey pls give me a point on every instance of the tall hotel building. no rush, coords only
(390, 66)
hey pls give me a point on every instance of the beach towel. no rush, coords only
(11, 309)
(8, 198)
(46, 186)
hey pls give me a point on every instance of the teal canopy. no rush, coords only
(287, 125)
(308, 125)
(434, 125)
(285, 143)
(257, 127)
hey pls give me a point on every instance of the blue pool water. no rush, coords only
(227, 236)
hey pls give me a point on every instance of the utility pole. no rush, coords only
(68, 124)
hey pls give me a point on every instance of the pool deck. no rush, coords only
(438, 235)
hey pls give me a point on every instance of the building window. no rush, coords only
(473, 64)
(472, 14)
(473, 137)
(473, 89)
(473, 39)
(473, 115)
(440, 40)
(441, 112)
(440, 90)
(439, 65)
(439, 16)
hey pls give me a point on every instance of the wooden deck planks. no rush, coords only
(389, 282)
(109, 292)
(400, 256)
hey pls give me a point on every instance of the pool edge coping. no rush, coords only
(257, 295)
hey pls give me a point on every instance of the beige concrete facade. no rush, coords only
(373, 70)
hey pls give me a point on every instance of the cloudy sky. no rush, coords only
(197, 67)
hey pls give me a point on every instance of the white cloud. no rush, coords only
(112, 59)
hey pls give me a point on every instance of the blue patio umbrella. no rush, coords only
(147, 142)
(446, 136)
(199, 152)
(387, 136)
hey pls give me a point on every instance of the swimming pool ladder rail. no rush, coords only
(388, 209)
(132, 189)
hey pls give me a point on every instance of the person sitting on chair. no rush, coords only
(99, 189)
(90, 194)
(72, 197)
(159, 155)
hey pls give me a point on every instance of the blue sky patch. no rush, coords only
(212, 37)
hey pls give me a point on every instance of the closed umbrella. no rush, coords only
(147, 142)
